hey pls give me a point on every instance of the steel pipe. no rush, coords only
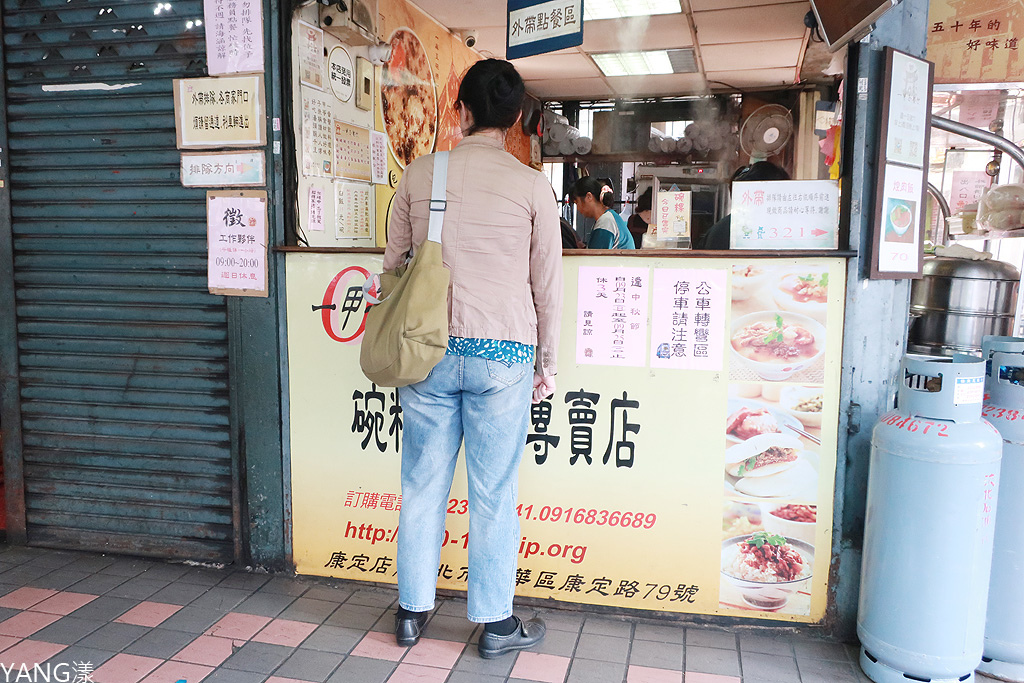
(997, 141)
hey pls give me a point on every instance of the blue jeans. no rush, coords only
(488, 404)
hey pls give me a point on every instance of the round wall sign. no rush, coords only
(340, 73)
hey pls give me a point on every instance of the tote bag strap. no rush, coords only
(438, 201)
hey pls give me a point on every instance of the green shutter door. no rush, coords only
(123, 353)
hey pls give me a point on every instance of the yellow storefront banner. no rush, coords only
(976, 41)
(686, 462)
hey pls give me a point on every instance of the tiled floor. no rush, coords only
(141, 621)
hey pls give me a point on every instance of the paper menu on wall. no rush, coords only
(353, 219)
(317, 135)
(351, 151)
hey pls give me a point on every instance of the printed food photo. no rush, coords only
(771, 466)
(766, 570)
(408, 98)
(803, 292)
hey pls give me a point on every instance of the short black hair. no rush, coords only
(761, 170)
(494, 92)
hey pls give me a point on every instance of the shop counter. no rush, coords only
(686, 462)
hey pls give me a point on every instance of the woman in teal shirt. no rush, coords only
(594, 200)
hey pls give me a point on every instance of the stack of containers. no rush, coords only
(1004, 407)
(927, 537)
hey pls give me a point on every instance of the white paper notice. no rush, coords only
(317, 135)
(316, 209)
(311, 55)
(688, 319)
(234, 36)
(352, 211)
(237, 241)
(379, 157)
(611, 316)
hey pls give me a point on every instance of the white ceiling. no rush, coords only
(739, 44)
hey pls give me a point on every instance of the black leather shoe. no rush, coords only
(527, 635)
(408, 631)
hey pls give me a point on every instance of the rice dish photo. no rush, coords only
(765, 558)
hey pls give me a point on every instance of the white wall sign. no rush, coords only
(340, 73)
(223, 169)
(611, 316)
(785, 214)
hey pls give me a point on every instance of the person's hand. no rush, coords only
(543, 387)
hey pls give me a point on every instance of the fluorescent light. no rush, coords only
(633, 63)
(616, 9)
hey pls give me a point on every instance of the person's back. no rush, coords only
(488, 230)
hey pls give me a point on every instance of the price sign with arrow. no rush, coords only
(785, 214)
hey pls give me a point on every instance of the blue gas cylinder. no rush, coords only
(1004, 408)
(929, 525)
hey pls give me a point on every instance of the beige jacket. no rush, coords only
(501, 242)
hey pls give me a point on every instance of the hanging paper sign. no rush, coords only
(223, 169)
(340, 73)
(379, 157)
(611, 316)
(538, 27)
(220, 112)
(673, 217)
(688, 319)
(234, 36)
(236, 225)
(316, 209)
(311, 55)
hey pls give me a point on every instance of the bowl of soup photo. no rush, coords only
(803, 292)
(776, 344)
(900, 217)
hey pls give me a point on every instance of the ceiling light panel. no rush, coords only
(616, 9)
(634, 63)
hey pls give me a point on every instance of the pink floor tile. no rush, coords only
(23, 598)
(30, 653)
(284, 632)
(63, 603)
(413, 673)
(26, 623)
(148, 614)
(240, 626)
(8, 641)
(206, 650)
(647, 674)
(124, 668)
(693, 677)
(436, 653)
(379, 646)
(171, 672)
(536, 667)
(280, 679)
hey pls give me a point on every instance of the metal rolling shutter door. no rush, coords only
(123, 353)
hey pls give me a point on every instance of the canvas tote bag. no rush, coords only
(406, 333)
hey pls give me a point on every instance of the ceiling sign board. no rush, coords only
(535, 28)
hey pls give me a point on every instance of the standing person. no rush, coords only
(501, 242)
(640, 219)
(594, 199)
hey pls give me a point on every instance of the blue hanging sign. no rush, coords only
(538, 27)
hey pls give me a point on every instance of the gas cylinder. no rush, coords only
(928, 530)
(1004, 408)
